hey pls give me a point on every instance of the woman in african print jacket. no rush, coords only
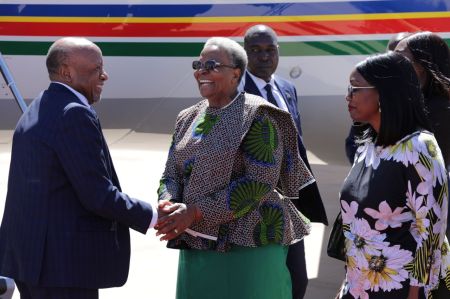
(232, 172)
(394, 200)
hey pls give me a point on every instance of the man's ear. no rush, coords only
(65, 73)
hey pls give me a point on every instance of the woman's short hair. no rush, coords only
(235, 51)
(432, 53)
(401, 101)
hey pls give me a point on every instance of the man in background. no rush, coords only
(261, 45)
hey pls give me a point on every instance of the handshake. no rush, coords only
(175, 218)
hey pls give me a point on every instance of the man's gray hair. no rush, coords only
(235, 51)
(56, 56)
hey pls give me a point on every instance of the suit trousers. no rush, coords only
(296, 264)
(31, 292)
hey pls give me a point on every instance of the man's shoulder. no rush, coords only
(283, 82)
(60, 105)
(60, 98)
(288, 90)
(249, 84)
(56, 89)
(74, 112)
(51, 103)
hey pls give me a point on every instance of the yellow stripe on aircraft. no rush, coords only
(240, 19)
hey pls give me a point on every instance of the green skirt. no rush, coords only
(243, 272)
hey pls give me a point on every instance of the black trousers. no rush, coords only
(296, 264)
(31, 292)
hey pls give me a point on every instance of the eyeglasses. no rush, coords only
(352, 89)
(209, 65)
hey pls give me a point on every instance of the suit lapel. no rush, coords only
(250, 86)
(286, 94)
(108, 159)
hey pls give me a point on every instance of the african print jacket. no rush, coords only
(394, 210)
(229, 161)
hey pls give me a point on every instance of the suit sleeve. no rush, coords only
(299, 127)
(310, 201)
(296, 115)
(81, 150)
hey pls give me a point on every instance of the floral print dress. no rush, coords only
(394, 211)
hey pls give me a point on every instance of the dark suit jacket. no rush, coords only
(66, 220)
(311, 205)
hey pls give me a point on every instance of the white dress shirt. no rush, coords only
(260, 83)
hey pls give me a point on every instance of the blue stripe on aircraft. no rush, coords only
(217, 10)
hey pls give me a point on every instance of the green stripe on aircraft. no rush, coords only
(177, 49)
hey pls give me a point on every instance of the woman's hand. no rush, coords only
(177, 218)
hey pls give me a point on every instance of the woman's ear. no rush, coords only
(237, 74)
(422, 75)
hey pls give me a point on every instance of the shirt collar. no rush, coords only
(81, 97)
(260, 83)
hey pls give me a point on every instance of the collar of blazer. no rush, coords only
(61, 87)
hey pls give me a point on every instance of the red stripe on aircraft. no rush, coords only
(221, 29)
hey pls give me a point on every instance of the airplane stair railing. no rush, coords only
(11, 84)
(6, 287)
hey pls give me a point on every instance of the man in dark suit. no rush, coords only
(261, 45)
(65, 231)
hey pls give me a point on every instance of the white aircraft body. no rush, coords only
(148, 48)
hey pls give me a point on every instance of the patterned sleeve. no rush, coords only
(171, 182)
(262, 159)
(427, 198)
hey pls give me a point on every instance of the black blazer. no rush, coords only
(310, 202)
(66, 220)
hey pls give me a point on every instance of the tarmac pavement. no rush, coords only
(139, 160)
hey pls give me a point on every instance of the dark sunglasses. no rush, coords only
(209, 65)
(352, 89)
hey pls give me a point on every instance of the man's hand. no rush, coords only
(177, 218)
(165, 207)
